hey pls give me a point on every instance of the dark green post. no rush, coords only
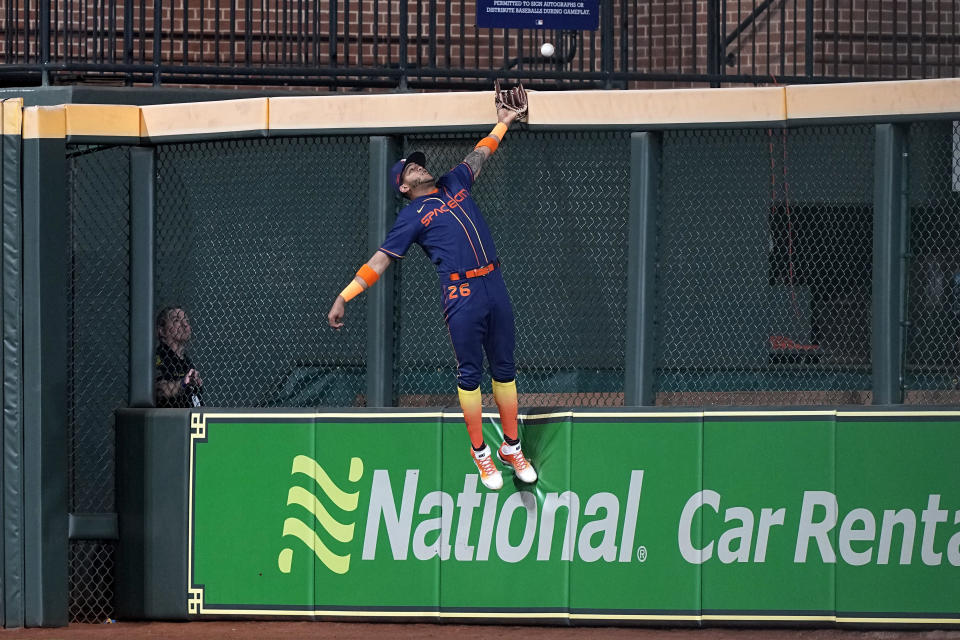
(153, 474)
(644, 181)
(3, 470)
(889, 252)
(142, 334)
(12, 370)
(384, 151)
(46, 265)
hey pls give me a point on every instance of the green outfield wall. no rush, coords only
(686, 517)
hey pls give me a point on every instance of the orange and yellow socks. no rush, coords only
(505, 395)
(472, 405)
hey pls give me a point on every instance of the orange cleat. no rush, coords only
(489, 474)
(513, 456)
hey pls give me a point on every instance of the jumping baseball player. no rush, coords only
(444, 220)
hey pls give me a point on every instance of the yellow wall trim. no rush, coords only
(656, 107)
(383, 111)
(103, 120)
(196, 118)
(568, 109)
(44, 122)
(13, 117)
(906, 97)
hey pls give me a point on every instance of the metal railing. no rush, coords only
(434, 44)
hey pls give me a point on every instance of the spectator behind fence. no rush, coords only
(178, 384)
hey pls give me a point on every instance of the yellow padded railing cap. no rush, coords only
(195, 118)
(103, 120)
(657, 107)
(397, 113)
(13, 117)
(44, 122)
(413, 110)
(901, 98)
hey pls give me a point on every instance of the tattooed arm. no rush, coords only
(488, 145)
(475, 160)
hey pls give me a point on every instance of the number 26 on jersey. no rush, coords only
(462, 291)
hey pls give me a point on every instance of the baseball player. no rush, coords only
(444, 220)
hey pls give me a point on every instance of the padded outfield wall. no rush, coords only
(775, 246)
(820, 517)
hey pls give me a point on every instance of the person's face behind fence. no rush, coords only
(177, 327)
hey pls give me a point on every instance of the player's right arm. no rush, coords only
(366, 276)
(488, 145)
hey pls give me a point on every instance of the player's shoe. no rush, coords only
(489, 474)
(513, 456)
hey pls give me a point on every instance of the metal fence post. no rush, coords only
(403, 45)
(713, 42)
(644, 185)
(808, 40)
(128, 40)
(46, 271)
(383, 152)
(889, 249)
(606, 26)
(44, 41)
(142, 334)
(157, 36)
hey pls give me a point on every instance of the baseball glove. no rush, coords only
(514, 99)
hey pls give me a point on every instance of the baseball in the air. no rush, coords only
(547, 49)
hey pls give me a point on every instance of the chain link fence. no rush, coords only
(762, 286)
(98, 378)
(933, 332)
(557, 205)
(91, 581)
(765, 251)
(254, 239)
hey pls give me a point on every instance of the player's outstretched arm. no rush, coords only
(489, 144)
(366, 276)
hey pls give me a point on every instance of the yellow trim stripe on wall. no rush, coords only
(383, 111)
(656, 107)
(44, 122)
(13, 117)
(901, 98)
(198, 118)
(640, 109)
(103, 120)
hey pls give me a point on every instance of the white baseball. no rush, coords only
(547, 49)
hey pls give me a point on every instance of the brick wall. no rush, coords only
(852, 38)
